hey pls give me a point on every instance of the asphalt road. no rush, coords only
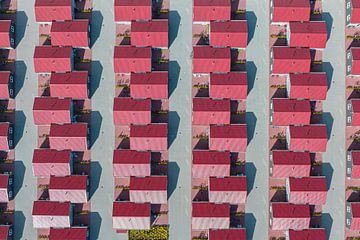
(257, 163)
(333, 217)
(102, 131)
(180, 73)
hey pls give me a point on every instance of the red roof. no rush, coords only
(151, 78)
(4, 181)
(288, 210)
(4, 129)
(68, 183)
(52, 52)
(355, 210)
(308, 34)
(129, 209)
(128, 10)
(131, 104)
(308, 184)
(69, 130)
(355, 51)
(152, 183)
(4, 232)
(211, 210)
(152, 33)
(228, 131)
(208, 10)
(231, 78)
(51, 156)
(150, 130)
(235, 184)
(51, 208)
(291, 105)
(210, 157)
(309, 131)
(229, 34)
(288, 59)
(4, 77)
(291, 3)
(131, 156)
(308, 79)
(52, 59)
(227, 234)
(355, 103)
(291, 53)
(70, 33)
(208, 59)
(307, 234)
(5, 26)
(132, 59)
(233, 85)
(149, 85)
(291, 158)
(355, 155)
(311, 86)
(51, 103)
(80, 77)
(211, 105)
(289, 10)
(73, 233)
(49, 10)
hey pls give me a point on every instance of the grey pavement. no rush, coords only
(180, 73)
(257, 163)
(333, 217)
(102, 131)
(25, 130)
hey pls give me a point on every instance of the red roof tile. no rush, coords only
(211, 105)
(309, 131)
(291, 3)
(129, 209)
(228, 131)
(73, 233)
(68, 130)
(131, 104)
(81, 25)
(210, 157)
(4, 129)
(307, 234)
(235, 184)
(231, 78)
(51, 156)
(4, 181)
(152, 183)
(151, 130)
(131, 156)
(51, 208)
(291, 158)
(307, 184)
(69, 78)
(51, 103)
(210, 210)
(291, 105)
(288, 210)
(291, 53)
(69, 182)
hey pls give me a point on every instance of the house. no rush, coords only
(353, 216)
(128, 163)
(7, 85)
(306, 234)
(152, 85)
(150, 34)
(129, 10)
(47, 110)
(283, 11)
(307, 34)
(131, 111)
(232, 138)
(208, 111)
(285, 60)
(74, 33)
(50, 10)
(51, 162)
(72, 189)
(353, 164)
(284, 112)
(284, 164)
(7, 34)
(211, 10)
(152, 189)
(72, 136)
(232, 85)
(353, 112)
(78, 233)
(228, 234)
(231, 190)
(53, 59)
(352, 12)
(284, 216)
(131, 216)
(210, 164)
(208, 59)
(353, 61)
(6, 136)
(149, 137)
(308, 190)
(232, 34)
(312, 138)
(6, 232)
(6, 188)
(48, 214)
(312, 86)
(72, 85)
(132, 59)
(210, 215)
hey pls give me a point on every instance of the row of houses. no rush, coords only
(146, 188)
(62, 188)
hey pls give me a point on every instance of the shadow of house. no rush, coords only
(251, 125)
(329, 70)
(96, 73)
(327, 171)
(327, 222)
(329, 23)
(250, 171)
(21, 24)
(95, 174)
(95, 224)
(20, 120)
(19, 224)
(250, 222)
(20, 74)
(96, 25)
(174, 121)
(96, 120)
(329, 121)
(174, 74)
(19, 174)
(251, 22)
(173, 177)
(174, 23)
(251, 70)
